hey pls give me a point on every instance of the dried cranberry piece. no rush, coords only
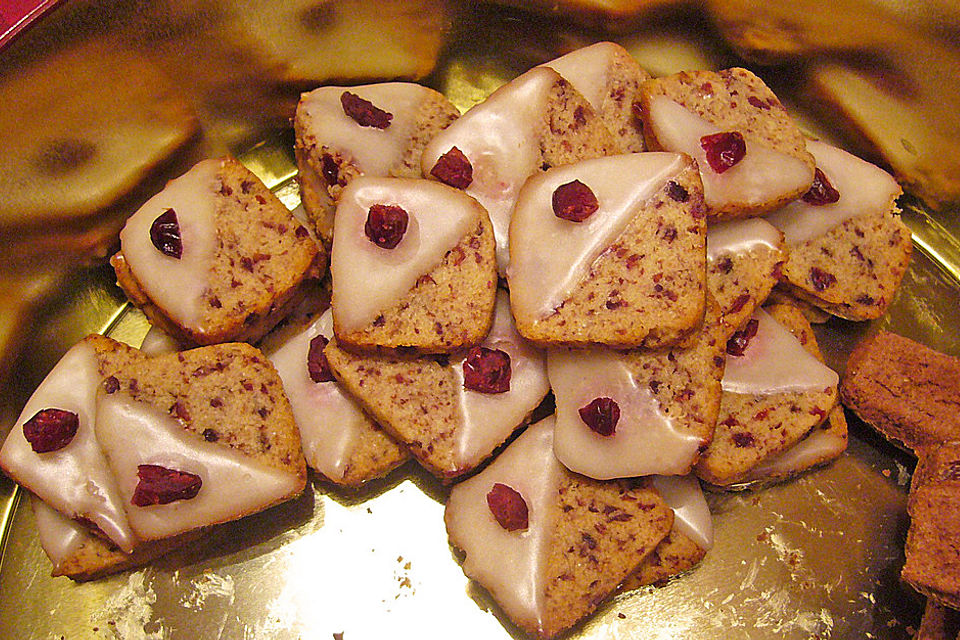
(738, 342)
(676, 191)
(508, 507)
(330, 169)
(165, 234)
(821, 279)
(51, 429)
(574, 201)
(160, 485)
(724, 149)
(487, 370)
(386, 225)
(821, 192)
(601, 415)
(453, 168)
(317, 363)
(363, 112)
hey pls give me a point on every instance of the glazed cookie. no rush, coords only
(375, 130)
(752, 157)
(215, 256)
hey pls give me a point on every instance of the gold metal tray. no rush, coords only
(818, 557)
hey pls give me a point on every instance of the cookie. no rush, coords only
(534, 122)
(413, 267)
(938, 623)
(752, 157)
(600, 256)
(375, 130)
(215, 256)
(903, 389)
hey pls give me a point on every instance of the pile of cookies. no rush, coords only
(586, 231)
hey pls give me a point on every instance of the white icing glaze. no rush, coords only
(176, 286)
(645, 441)
(329, 420)
(588, 70)
(499, 137)
(691, 515)
(373, 150)
(741, 236)
(550, 255)
(60, 537)
(864, 188)
(368, 279)
(133, 433)
(761, 176)
(488, 418)
(510, 564)
(74, 480)
(158, 342)
(774, 361)
(821, 445)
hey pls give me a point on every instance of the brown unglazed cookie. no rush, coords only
(262, 261)
(752, 428)
(905, 390)
(853, 271)
(933, 549)
(938, 623)
(332, 147)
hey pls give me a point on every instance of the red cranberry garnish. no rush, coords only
(738, 342)
(487, 370)
(453, 168)
(159, 485)
(821, 191)
(363, 112)
(508, 507)
(601, 415)
(50, 429)
(317, 363)
(724, 149)
(386, 225)
(821, 279)
(574, 201)
(165, 234)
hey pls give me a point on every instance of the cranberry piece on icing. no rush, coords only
(821, 191)
(508, 507)
(487, 370)
(317, 364)
(51, 429)
(363, 112)
(454, 169)
(724, 149)
(165, 234)
(386, 225)
(738, 342)
(601, 415)
(160, 485)
(574, 201)
(821, 279)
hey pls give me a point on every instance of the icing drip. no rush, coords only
(510, 565)
(740, 237)
(60, 537)
(863, 187)
(691, 515)
(133, 433)
(761, 176)
(177, 286)
(329, 420)
(540, 280)
(645, 441)
(587, 69)
(499, 137)
(368, 279)
(819, 446)
(774, 361)
(76, 479)
(375, 151)
(487, 419)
